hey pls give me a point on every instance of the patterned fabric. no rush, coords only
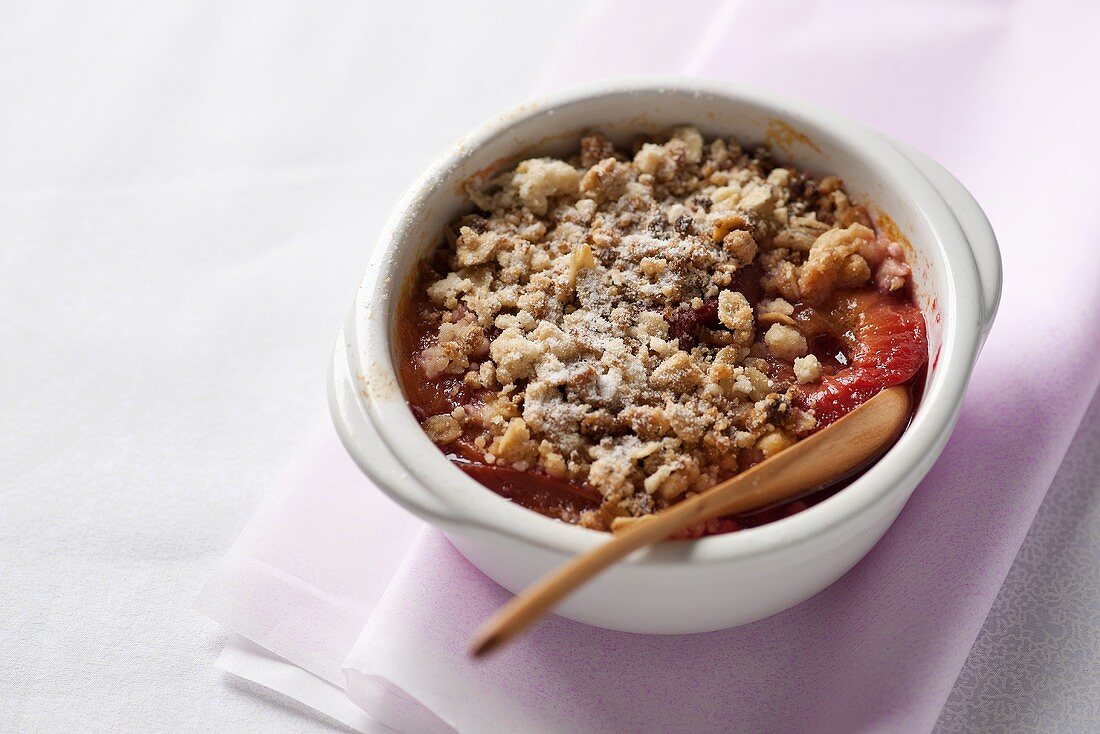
(1036, 664)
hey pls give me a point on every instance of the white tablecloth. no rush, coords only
(188, 193)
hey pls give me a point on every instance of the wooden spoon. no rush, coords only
(826, 456)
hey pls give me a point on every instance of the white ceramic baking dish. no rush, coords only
(719, 581)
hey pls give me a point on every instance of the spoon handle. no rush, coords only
(834, 451)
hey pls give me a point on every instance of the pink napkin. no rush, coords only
(1003, 95)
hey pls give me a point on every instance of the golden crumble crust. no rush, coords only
(615, 312)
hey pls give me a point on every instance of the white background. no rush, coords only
(188, 193)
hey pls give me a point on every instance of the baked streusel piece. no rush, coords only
(606, 334)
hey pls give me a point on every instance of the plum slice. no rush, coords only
(534, 490)
(886, 345)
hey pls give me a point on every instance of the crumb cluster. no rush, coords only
(626, 321)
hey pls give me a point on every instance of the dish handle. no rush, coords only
(975, 225)
(368, 449)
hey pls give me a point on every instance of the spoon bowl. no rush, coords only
(717, 581)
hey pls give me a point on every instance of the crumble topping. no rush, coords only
(627, 322)
(807, 369)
